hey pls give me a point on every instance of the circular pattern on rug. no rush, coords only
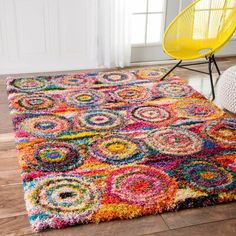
(54, 157)
(45, 126)
(132, 94)
(226, 158)
(85, 98)
(222, 131)
(117, 149)
(101, 120)
(150, 74)
(65, 195)
(172, 90)
(37, 102)
(142, 185)
(71, 81)
(115, 77)
(150, 114)
(175, 141)
(197, 109)
(30, 84)
(207, 176)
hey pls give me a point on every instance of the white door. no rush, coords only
(149, 21)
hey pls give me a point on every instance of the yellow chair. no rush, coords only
(200, 31)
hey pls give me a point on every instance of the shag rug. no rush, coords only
(117, 145)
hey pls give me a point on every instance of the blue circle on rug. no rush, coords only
(55, 156)
(101, 120)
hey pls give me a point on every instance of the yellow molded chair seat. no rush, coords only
(188, 52)
(200, 31)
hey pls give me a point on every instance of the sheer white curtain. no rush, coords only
(113, 31)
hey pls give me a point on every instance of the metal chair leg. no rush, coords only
(211, 77)
(171, 70)
(211, 60)
(217, 67)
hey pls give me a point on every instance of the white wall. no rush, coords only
(52, 35)
(46, 35)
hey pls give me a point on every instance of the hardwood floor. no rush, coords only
(218, 220)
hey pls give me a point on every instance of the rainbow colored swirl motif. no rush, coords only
(53, 156)
(69, 196)
(117, 149)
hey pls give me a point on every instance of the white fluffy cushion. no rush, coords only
(227, 89)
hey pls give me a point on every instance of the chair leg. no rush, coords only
(217, 67)
(211, 60)
(171, 70)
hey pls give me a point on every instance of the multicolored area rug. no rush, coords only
(102, 146)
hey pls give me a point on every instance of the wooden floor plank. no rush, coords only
(15, 226)
(6, 146)
(7, 137)
(199, 216)
(11, 201)
(9, 177)
(6, 121)
(3, 98)
(7, 142)
(222, 228)
(10, 154)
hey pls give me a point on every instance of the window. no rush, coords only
(148, 21)
(151, 17)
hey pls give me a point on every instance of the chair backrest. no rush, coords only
(204, 27)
